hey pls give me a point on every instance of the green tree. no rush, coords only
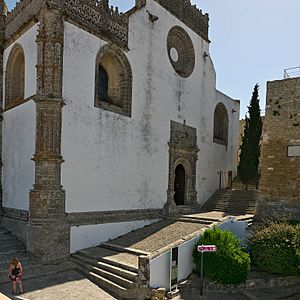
(250, 148)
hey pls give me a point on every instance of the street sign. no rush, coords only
(202, 249)
(207, 248)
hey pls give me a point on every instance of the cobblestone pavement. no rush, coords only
(62, 286)
(158, 235)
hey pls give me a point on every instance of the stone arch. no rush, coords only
(113, 63)
(184, 162)
(221, 124)
(15, 76)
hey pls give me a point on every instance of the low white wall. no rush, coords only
(239, 228)
(93, 235)
(160, 266)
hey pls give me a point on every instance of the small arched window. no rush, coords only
(15, 77)
(103, 84)
(113, 90)
(221, 124)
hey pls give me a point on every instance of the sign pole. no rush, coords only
(202, 249)
(201, 278)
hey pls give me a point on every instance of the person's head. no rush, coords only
(14, 261)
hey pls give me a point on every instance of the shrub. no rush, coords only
(275, 248)
(230, 264)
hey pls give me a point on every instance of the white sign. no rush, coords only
(207, 248)
(293, 150)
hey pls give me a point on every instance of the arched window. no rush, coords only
(15, 77)
(113, 81)
(103, 84)
(221, 124)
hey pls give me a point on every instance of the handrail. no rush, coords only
(292, 72)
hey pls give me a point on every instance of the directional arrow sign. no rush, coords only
(207, 248)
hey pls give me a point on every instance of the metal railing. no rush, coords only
(292, 72)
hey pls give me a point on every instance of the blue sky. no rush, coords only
(252, 41)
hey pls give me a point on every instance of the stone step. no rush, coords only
(105, 283)
(12, 245)
(118, 248)
(120, 281)
(125, 261)
(132, 276)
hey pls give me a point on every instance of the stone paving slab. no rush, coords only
(63, 286)
(118, 257)
(158, 235)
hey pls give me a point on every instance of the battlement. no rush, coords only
(95, 16)
(189, 14)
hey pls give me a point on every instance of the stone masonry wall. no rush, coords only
(280, 173)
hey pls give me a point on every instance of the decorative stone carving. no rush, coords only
(189, 14)
(48, 234)
(183, 151)
(94, 16)
(181, 51)
(99, 18)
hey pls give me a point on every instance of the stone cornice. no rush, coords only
(94, 16)
(189, 14)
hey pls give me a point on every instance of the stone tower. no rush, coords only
(280, 157)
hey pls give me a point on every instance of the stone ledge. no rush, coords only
(250, 284)
(101, 217)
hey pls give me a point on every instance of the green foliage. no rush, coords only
(250, 148)
(275, 248)
(230, 264)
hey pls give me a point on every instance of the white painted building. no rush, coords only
(143, 130)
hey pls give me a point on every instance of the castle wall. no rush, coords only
(114, 162)
(18, 131)
(279, 185)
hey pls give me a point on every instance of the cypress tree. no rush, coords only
(250, 148)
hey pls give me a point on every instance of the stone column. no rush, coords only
(48, 234)
(3, 13)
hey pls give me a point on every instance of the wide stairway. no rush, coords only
(232, 202)
(10, 246)
(112, 270)
(114, 265)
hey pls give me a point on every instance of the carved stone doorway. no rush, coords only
(179, 185)
(183, 155)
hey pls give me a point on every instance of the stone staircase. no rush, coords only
(232, 202)
(10, 246)
(111, 269)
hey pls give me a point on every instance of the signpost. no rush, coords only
(202, 249)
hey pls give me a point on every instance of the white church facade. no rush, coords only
(109, 120)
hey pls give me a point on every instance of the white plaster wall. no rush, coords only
(160, 266)
(238, 228)
(27, 41)
(114, 162)
(93, 235)
(18, 149)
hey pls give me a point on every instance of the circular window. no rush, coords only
(181, 51)
(174, 54)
